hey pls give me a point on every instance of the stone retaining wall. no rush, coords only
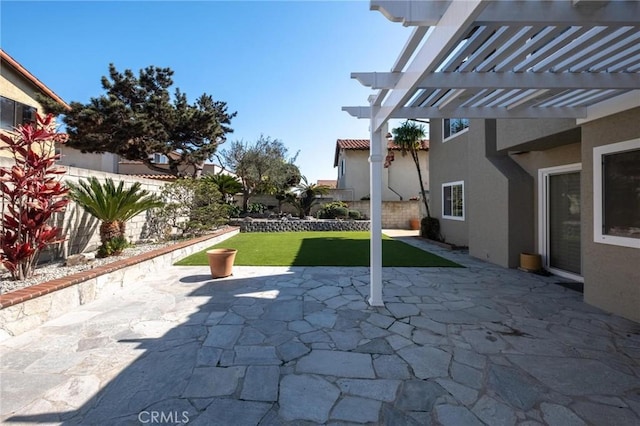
(25, 309)
(292, 225)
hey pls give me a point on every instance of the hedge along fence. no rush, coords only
(80, 228)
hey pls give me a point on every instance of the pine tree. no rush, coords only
(137, 117)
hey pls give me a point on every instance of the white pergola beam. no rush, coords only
(560, 13)
(411, 13)
(521, 12)
(444, 37)
(377, 80)
(507, 80)
(407, 52)
(474, 112)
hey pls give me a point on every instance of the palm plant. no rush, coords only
(112, 205)
(227, 185)
(408, 137)
(305, 196)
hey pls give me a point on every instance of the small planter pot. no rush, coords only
(414, 224)
(530, 262)
(221, 262)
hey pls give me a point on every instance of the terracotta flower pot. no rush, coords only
(414, 224)
(221, 262)
(530, 262)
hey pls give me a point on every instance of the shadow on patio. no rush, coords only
(289, 345)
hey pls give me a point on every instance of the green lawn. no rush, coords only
(317, 249)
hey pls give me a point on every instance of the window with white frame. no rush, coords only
(453, 126)
(343, 166)
(616, 194)
(160, 159)
(453, 200)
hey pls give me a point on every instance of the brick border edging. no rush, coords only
(34, 291)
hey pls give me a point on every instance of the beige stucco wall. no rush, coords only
(611, 273)
(16, 88)
(400, 179)
(13, 86)
(356, 174)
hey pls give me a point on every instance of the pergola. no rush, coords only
(498, 59)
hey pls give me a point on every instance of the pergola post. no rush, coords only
(378, 139)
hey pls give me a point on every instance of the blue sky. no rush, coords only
(284, 66)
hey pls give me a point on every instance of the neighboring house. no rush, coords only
(18, 90)
(399, 178)
(330, 183)
(105, 162)
(548, 160)
(138, 168)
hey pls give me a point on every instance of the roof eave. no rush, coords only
(33, 79)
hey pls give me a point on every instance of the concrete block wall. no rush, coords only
(395, 214)
(80, 228)
(297, 225)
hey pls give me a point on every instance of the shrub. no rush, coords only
(231, 210)
(355, 215)
(256, 208)
(334, 210)
(192, 207)
(430, 228)
(31, 195)
(113, 247)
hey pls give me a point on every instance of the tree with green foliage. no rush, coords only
(262, 167)
(113, 205)
(137, 118)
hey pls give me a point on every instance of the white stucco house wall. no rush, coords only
(400, 178)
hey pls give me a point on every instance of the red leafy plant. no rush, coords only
(31, 194)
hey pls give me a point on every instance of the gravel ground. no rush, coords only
(53, 270)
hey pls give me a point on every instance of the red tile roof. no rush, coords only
(165, 177)
(330, 183)
(353, 143)
(363, 145)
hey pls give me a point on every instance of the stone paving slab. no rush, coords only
(300, 346)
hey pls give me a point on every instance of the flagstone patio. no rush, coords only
(274, 345)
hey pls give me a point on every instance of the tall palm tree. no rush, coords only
(112, 205)
(408, 137)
